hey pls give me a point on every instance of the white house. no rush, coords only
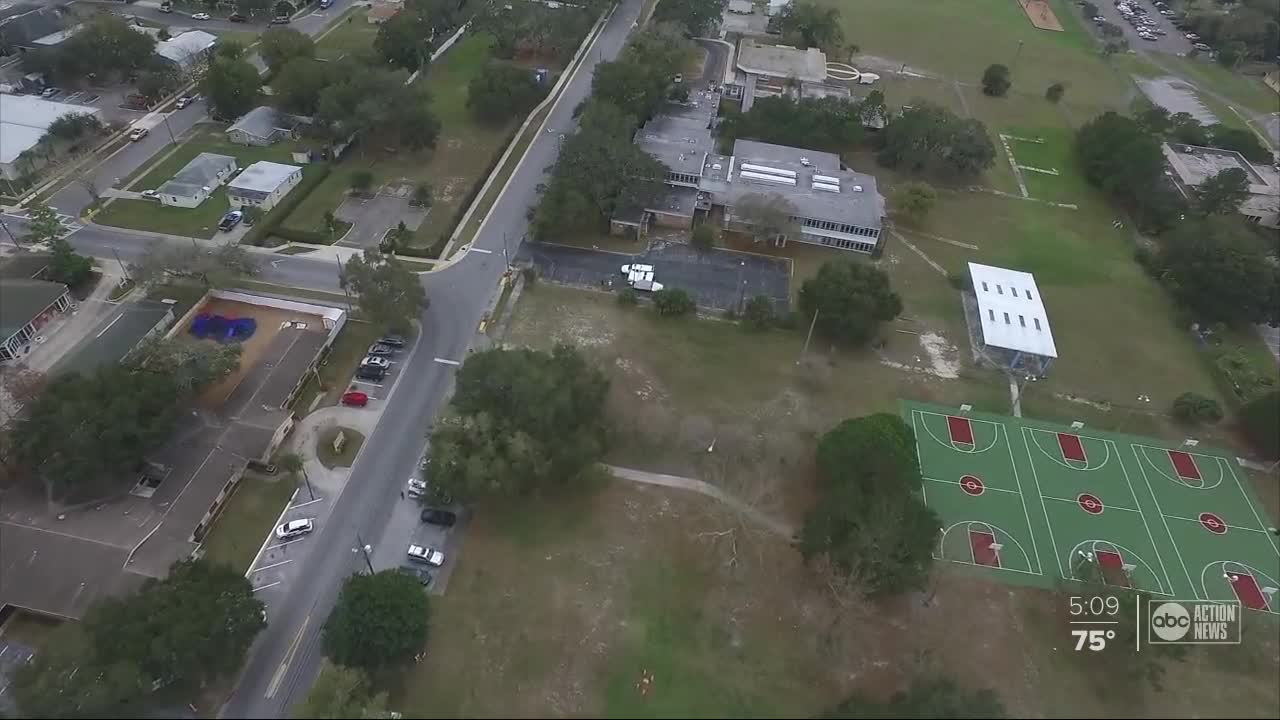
(24, 119)
(262, 184)
(197, 180)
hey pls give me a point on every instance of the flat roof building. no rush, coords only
(262, 184)
(1012, 319)
(782, 61)
(24, 119)
(196, 180)
(1192, 165)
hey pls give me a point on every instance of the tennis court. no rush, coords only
(1041, 503)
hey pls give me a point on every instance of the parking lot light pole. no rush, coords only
(364, 550)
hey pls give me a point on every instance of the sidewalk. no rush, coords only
(68, 330)
(641, 476)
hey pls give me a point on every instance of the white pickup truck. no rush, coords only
(640, 277)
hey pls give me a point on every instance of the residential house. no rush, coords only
(24, 119)
(262, 126)
(263, 184)
(197, 180)
(382, 12)
(21, 24)
(189, 51)
(26, 305)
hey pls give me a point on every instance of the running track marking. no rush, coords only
(1035, 475)
(1154, 547)
(1181, 481)
(950, 445)
(1027, 515)
(985, 486)
(1229, 527)
(1124, 552)
(1256, 573)
(994, 530)
(1062, 462)
(1076, 501)
(1164, 520)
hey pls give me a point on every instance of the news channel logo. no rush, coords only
(1193, 622)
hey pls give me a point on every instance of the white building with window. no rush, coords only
(1014, 327)
(263, 184)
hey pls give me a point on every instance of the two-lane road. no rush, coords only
(286, 656)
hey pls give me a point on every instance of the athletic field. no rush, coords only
(1036, 502)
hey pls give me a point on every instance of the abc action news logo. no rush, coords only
(1194, 622)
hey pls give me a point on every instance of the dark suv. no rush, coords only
(237, 17)
(436, 516)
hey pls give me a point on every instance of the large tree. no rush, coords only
(501, 91)
(105, 47)
(829, 123)
(1220, 270)
(66, 679)
(1241, 140)
(191, 364)
(66, 265)
(807, 24)
(299, 83)
(1223, 193)
(220, 267)
(929, 137)
(995, 80)
(695, 17)
(389, 294)
(43, 224)
(767, 216)
(913, 200)
(279, 45)
(524, 421)
(870, 527)
(232, 86)
(83, 428)
(1120, 157)
(533, 28)
(379, 621)
(1260, 421)
(342, 693)
(400, 42)
(377, 103)
(851, 299)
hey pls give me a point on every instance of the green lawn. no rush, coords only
(1247, 91)
(339, 365)
(248, 516)
(351, 33)
(351, 443)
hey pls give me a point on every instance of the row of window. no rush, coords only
(839, 227)
(676, 177)
(842, 243)
(1021, 320)
(1000, 290)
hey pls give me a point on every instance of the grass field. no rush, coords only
(1180, 519)
(352, 33)
(247, 518)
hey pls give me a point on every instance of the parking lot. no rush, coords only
(1171, 42)
(13, 655)
(716, 279)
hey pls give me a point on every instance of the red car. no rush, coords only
(355, 398)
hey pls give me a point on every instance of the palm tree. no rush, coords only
(292, 464)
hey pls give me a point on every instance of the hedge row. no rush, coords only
(271, 224)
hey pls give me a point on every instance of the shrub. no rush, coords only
(995, 80)
(361, 181)
(1193, 408)
(758, 313)
(530, 275)
(1260, 420)
(628, 297)
(704, 237)
(673, 302)
(1055, 92)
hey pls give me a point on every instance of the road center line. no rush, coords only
(443, 361)
(268, 567)
(288, 658)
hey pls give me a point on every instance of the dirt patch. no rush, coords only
(252, 349)
(1041, 14)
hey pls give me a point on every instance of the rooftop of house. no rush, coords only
(196, 175)
(263, 176)
(782, 61)
(21, 23)
(262, 121)
(181, 48)
(24, 119)
(22, 299)
(1195, 164)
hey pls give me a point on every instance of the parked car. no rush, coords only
(393, 340)
(430, 556)
(1202, 47)
(48, 92)
(422, 575)
(416, 487)
(325, 4)
(230, 220)
(184, 101)
(355, 398)
(280, 20)
(380, 350)
(294, 528)
(370, 373)
(1191, 36)
(150, 194)
(138, 134)
(200, 16)
(375, 361)
(436, 516)
(166, 8)
(237, 17)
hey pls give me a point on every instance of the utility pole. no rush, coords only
(307, 480)
(342, 281)
(9, 232)
(808, 337)
(1015, 56)
(123, 269)
(172, 139)
(363, 550)
(505, 257)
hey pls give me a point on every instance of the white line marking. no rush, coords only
(4, 650)
(293, 507)
(108, 327)
(1154, 547)
(984, 487)
(268, 567)
(1104, 505)
(1035, 475)
(919, 461)
(1013, 464)
(1230, 527)
(443, 361)
(273, 547)
(269, 585)
(1172, 539)
(1249, 502)
(482, 250)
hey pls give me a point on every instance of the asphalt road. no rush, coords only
(287, 654)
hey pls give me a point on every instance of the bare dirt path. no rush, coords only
(641, 476)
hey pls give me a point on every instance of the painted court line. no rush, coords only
(919, 460)
(1061, 451)
(1229, 526)
(1133, 494)
(969, 526)
(1013, 465)
(1160, 510)
(985, 487)
(1035, 475)
(1204, 483)
(950, 445)
(1256, 516)
(1105, 507)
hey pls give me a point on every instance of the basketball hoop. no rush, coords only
(1076, 425)
(996, 547)
(1190, 442)
(1128, 568)
(965, 408)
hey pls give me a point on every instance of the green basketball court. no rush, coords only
(1036, 502)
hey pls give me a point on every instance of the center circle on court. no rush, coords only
(971, 485)
(1213, 523)
(1090, 503)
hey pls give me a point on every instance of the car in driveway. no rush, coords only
(138, 134)
(422, 575)
(200, 16)
(436, 516)
(375, 361)
(424, 554)
(230, 220)
(295, 528)
(150, 195)
(280, 20)
(355, 398)
(49, 92)
(395, 341)
(380, 350)
(1202, 47)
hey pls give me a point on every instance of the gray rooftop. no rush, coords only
(117, 337)
(22, 300)
(782, 61)
(1195, 164)
(263, 176)
(262, 121)
(197, 174)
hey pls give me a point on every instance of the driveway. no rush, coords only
(371, 218)
(717, 279)
(1172, 42)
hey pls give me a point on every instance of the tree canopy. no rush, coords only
(913, 200)
(766, 216)
(192, 365)
(105, 48)
(869, 526)
(533, 28)
(828, 123)
(1221, 271)
(298, 84)
(232, 86)
(695, 17)
(377, 103)
(66, 266)
(1223, 193)
(1260, 420)
(43, 224)
(379, 621)
(928, 137)
(851, 299)
(405, 40)
(501, 91)
(224, 265)
(995, 80)
(928, 697)
(342, 693)
(279, 45)
(1124, 160)
(389, 294)
(806, 24)
(525, 421)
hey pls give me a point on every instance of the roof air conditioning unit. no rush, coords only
(805, 162)
(857, 188)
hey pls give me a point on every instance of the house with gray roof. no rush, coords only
(197, 180)
(21, 24)
(26, 305)
(262, 126)
(188, 51)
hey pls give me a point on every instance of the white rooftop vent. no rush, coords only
(767, 178)
(826, 179)
(857, 188)
(805, 162)
(768, 170)
(826, 187)
(715, 166)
